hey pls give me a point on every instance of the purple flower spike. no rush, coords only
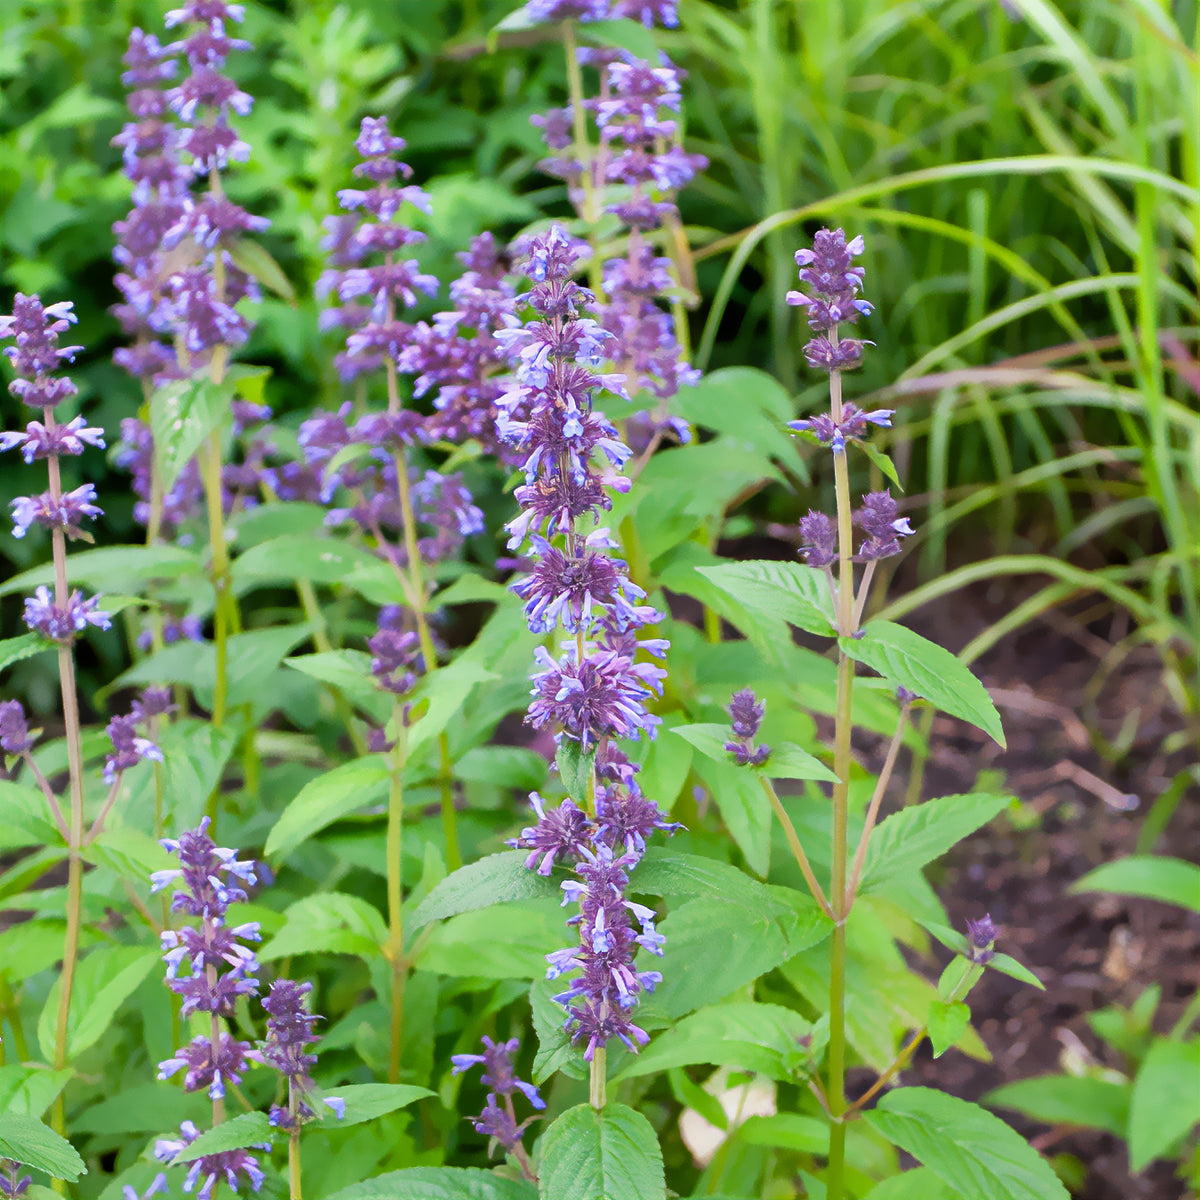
(745, 715)
(14, 732)
(981, 939)
(63, 624)
(500, 1123)
(877, 519)
(818, 537)
(832, 299)
(128, 747)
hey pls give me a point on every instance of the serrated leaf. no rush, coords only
(366, 1101)
(708, 738)
(438, 1183)
(301, 556)
(946, 1024)
(788, 591)
(350, 672)
(323, 800)
(447, 689)
(1165, 1103)
(973, 1151)
(909, 839)
(146, 1108)
(612, 1153)
(28, 1141)
(789, 761)
(754, 1037)
(17, 649)
(104, 979)
(248, 1129)
(328, 923)
(906, 659)
(29, 1091)
(468, 945)
(1152, 876)
(918, 1184)
(575, 766)
(183, 413)
(503, 766)
(883, 462)
(110, 567)
(1067, 1100)
(496, 879)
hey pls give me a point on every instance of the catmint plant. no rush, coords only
(218, 966)
(595, 691)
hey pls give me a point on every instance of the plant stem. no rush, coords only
(789, 831)
(881, 784)
(293, 1143)
(395, 897)
(598, 1081)
(836, 1086)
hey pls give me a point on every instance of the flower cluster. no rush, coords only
(498, 1122)
(35, 358)
(981, 939)
(220, 967)
(289, 1033)
(597, 689)
(832, 299)
(746, 712)
(647, 11)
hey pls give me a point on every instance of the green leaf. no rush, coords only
(448, 690)
(909, 839)
(29, 1091)
(1155, 877)
(624, 34)
(947, 1023)
(965, 1145)
(1166, 1099)
(575, 766)
(748, 405)
(788, 591)
(28, 1141)
(248, 1129)
(664, 872)
(883, 462)
(468, 945)
(112, 567)
(438, 1183)
(256, 261)
(301, 556)
(745, 810)
(350, 672)
(183, 413)
(754, 1037)
(918, 1184)
(716, 944)
(104, 979)
(17, 649)
(496, 879)
(906, 659)
(789, 761)
(612, 1153)
(1067, 1100)
(709, 739)
(504, 767)
(323, 800)
(146, 1108)
(328, 923)
(366, 1101)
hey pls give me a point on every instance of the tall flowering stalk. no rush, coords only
(179, 279)
(209, 965)
(831, 301)
(59, 616)
(596, 689)
(390, 503)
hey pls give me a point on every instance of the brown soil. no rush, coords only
(1064, 726)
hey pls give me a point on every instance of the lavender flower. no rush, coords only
(14, 731)
(65, 511)
(565, 10)
(500, 1124)
(129, 748)
(877, 519)
(13, 1185)
(597, 689)
(833, 298)
(289, 1032)
(981, 939)
(745, 716)
(63, 623)
(818, 537)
